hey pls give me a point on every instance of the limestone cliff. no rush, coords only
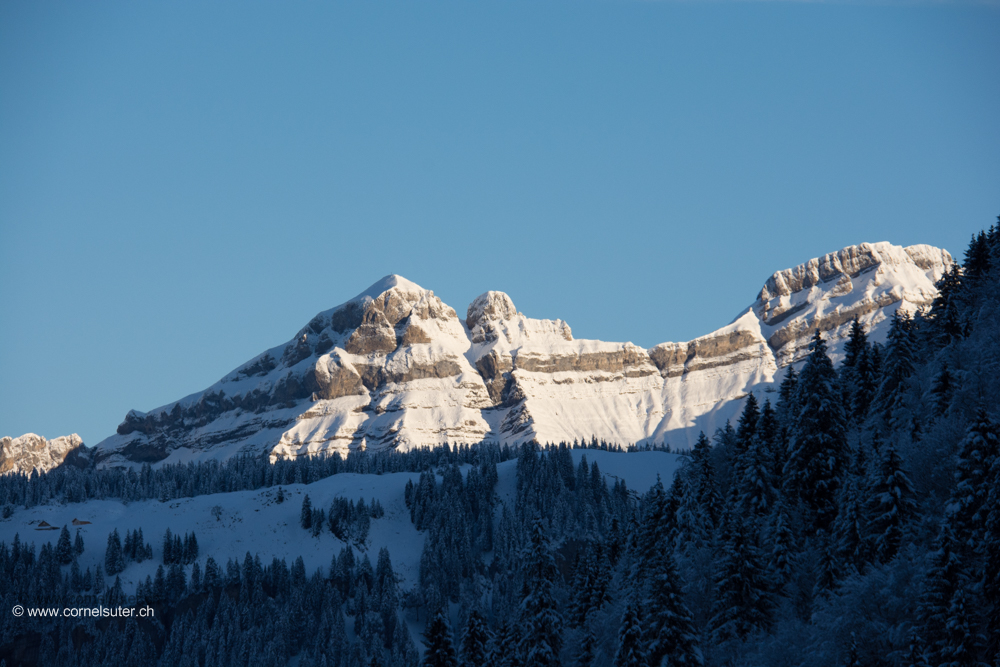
(396, 367)
(33, 452)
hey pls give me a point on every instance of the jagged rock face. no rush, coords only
(826, 293)
(33, 452)
(395, 367)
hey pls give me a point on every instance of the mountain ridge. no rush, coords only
(396, 367)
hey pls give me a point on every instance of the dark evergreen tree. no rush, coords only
(783, 552)
(541, 642)
(961, 644)
(78, 543)
(631, 647)
(667, 623)
(892, 504)
(743, 604)
(64, 550)
(897, 367)
(168, 548)
(819, 440)
(306, 516)
(857, 343)
(945, 577)
(978, 453)
(114, 561)
(440, 647)
(475, 641)
(945, 322)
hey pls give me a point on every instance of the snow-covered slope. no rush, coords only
(33, 452)
(254, 522)
(396, 367)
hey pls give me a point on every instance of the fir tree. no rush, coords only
(440, 648)
(743, 604)
(64, 550)
(702, 482)
(944, 318)
(817, 450)
(78, 543)
(961, 643)
(865, 376)
(542, 640)
(978, 453)
(666, 621)
(897, 367)
(114, 562)
(475, 641)
(942, 388)
(306, 516)
(945, 577)
(630, 651)
(892, 504)
(827, 569)
(857, 343)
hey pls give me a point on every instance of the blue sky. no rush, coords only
(183, 185)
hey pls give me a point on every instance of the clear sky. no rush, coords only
(184, 184)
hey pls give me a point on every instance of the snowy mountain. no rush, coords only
(396, 367)
(33, 452)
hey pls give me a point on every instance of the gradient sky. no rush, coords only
(183, 185)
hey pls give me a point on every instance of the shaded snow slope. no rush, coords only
(396, 367)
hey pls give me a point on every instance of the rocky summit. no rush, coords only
(31, 452)
(395, 367)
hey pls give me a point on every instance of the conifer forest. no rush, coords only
(850, 517)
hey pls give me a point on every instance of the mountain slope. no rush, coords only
(33, 452)
(396, 367)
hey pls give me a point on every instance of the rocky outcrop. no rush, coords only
(827, 293)
(396, 367)
(33, 452)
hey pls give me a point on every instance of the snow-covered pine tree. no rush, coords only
(851, 527)
(168, 547)
(989, 548)
(702, 479)
(78, 543)
(757, 485)
(783, 553)
(946, 575)
(666, 622)
(114, 562)
(828, 569)
(630, 652)
(746, 433)
(942, 388)
(865, 376)
(440, 647)
(541, 640)
(891, 503)
(978, 454)
(897, 367)
(962, 643)
(306, 515)
(944, 320)
(475, 641)
(64, 550)
(743, 603)
(854, 349)
(788, 399)
(771, 442)
(819, 441)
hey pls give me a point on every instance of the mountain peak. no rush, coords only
(491, 305)
(386, 284)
